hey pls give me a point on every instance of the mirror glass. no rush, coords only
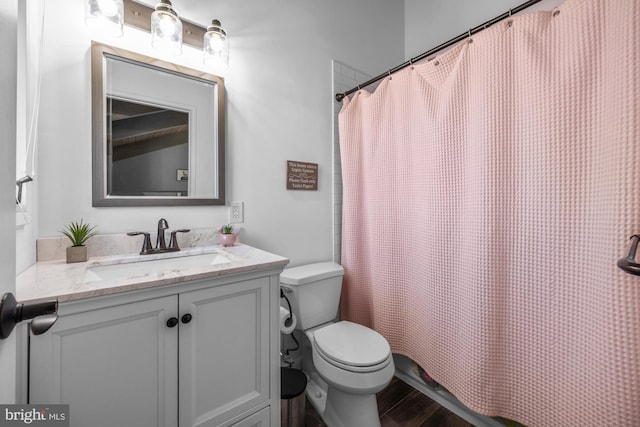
(157, 132)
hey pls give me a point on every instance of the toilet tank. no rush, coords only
(314, 292)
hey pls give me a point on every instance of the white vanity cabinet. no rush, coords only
(113, 366)
(202, 353)
(224, 352)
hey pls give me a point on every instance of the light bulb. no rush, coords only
(216, 48)
(166, 29)
(108, 8)
(105, 16)
(216, 43)
(167, 26)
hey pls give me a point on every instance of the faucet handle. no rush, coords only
(146, 244)
(173, 242)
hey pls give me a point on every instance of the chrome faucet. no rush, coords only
(161, 245)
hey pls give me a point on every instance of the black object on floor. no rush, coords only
(292, 385)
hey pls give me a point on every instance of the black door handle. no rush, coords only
(172, 322)
(629, 263)
(13, 312)
(187, 318)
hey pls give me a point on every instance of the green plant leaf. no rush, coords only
(79, 232)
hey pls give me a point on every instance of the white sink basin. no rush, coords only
(143, 267)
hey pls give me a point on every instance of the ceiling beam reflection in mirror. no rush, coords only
(168, 31)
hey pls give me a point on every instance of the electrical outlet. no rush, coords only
(182, 174)
(236, 212)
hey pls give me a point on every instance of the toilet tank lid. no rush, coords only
(310, 273)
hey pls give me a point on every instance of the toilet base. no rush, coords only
(340, 409)
(316, 392)
(350, 410)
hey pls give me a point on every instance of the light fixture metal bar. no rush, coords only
(139, 16)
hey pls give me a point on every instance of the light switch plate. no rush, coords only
(236, 212)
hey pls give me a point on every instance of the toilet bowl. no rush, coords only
(350, 363)
(356, 363)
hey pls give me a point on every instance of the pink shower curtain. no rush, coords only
(488, 194)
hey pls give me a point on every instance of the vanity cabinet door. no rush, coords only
(224, 352)
(114, 366)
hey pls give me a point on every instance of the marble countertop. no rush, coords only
(68, 282)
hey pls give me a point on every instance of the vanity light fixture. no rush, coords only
(216, 47)
(106, 16)
(166, 29)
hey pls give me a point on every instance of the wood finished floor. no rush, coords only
(399, 405)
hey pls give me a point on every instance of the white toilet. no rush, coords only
(347, 363)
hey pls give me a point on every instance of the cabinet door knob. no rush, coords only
(172, 322)
(187, 318)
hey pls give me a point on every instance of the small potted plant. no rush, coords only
(228, 236)
(78, 233)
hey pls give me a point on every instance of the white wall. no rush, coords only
(278, 92)
(29, 25)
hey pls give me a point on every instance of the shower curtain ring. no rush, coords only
(509, 13)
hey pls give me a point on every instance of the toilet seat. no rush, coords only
(352, 347)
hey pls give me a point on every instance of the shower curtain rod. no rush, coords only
(472, 31)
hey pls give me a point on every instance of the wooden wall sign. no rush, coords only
(302, 176)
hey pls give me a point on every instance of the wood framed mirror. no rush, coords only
(157, 130)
